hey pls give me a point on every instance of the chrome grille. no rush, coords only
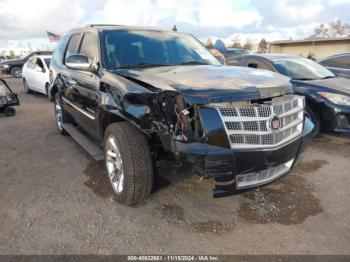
(249, 125)
(263, 176)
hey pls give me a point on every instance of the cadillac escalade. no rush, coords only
(132, 95)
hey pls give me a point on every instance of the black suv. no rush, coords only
(133, 95)
(13, 67)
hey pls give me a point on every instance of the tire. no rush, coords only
(62, 117)
(9, 111)
(315, 118)
(26, 87)
(132, 154)
(16, 72)
(48, 92)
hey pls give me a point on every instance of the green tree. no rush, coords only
(263, 46)
(248, 45)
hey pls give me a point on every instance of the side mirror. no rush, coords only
(80, 62)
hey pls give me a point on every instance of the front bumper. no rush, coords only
(224, 164)
(335, 118)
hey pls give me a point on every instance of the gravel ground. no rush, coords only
(56, 200)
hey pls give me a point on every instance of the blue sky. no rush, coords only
(23, 22)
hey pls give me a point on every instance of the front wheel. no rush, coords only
(315, 119)
(128, 163)
(60, 115)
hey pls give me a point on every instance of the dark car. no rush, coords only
(14, 66)
(327, 96)
(339, 64)
(144, 94)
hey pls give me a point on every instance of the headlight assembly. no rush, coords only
(5, 66)
(336, 98)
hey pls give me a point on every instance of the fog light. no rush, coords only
(342, 121)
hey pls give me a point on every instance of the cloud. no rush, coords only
(22, 19)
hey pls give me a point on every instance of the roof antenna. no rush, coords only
(174, 28)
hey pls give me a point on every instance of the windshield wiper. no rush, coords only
(194, 63)
(141, 65)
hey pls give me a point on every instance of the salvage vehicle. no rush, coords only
(327, 96)
(339, 64)
(143, 94)
(35, 75)
(8, 99)
(13, 67)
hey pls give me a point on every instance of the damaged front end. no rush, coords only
(239, 144)
(240, 141)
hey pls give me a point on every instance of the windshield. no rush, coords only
(301, 68)
(146, 48)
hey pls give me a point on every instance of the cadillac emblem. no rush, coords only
(275, 123)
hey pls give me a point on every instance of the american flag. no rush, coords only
(53, 37)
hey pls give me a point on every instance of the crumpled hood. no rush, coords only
(340, 84)
(209, 83)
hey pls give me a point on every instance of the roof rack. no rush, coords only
(94, 25)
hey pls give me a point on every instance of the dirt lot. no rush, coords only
(55, 200)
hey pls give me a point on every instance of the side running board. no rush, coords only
(90, 147)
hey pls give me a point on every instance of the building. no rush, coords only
(319, 48)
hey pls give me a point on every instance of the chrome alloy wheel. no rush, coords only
(114, 165)
(58, 111)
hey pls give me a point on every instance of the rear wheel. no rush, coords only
(26, 87)
(315, 118)
(60, 115)
(16, 72)
(128, 163)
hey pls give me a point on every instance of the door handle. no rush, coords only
(72, 82)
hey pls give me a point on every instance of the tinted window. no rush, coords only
(73, 45)
(337, 62)
(301, 68)
(59, 50)
(89, 46)
(123, 48)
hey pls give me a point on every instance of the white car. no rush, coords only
(35, 75)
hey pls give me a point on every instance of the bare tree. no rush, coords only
(263, 46)
(334, 28)
(248, 45)
(235, 43)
